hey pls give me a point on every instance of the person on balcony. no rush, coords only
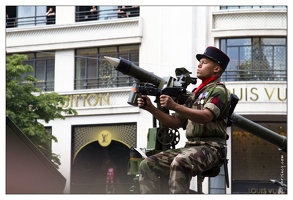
(50, 16)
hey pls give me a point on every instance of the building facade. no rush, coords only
(67, 49)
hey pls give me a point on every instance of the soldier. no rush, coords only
(204, 117)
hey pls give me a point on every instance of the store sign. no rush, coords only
(254, 187)
(90, 100)
(260, 92)
(87, 100)
(248, 92)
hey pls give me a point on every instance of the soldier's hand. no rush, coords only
(167, 102)
(144, 102)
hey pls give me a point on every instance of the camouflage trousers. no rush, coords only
(174, 168)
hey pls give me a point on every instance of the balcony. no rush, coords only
(117, 31)
(249, 22)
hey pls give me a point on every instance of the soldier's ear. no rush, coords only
(217, 68)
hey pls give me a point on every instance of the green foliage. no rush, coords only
(26, 105)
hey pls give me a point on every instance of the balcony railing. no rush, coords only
(254, 75)
(80, 16)
(105, 14)
(103, 82)
(30, 21)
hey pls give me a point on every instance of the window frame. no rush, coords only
(105, 75)
(45, 84)
(14, 20)
(256, 60)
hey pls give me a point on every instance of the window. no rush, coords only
(87, 13)
(93, 71)
(90, 13)
(254, 161)
(108, 12)
(83, 13)
(44, 69)
(255, 59)
(10, 16)
(20, 16)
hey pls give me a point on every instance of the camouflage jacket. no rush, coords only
(215, 97)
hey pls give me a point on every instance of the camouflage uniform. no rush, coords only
(202, 151)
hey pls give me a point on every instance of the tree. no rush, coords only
(26, 105)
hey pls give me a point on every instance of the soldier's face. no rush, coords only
(206, 68)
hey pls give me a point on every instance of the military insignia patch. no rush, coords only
(203, 95)
(215, 100)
